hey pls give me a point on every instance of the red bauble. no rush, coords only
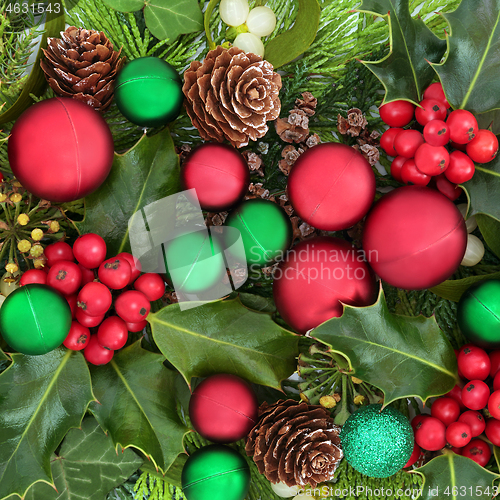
(61, 149)
(223, 408)
(316, 276)
(414, 238)
(331, 186)
(219, 173)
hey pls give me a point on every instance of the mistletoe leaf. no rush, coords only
(454, 476)
(454, 289)
(405, 71)
(225, 337)
(137, 404)
(146, 173)
(41, 398)
(470, 72)
(402, 356)
(86, 467)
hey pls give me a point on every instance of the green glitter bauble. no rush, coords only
(377, 443)
(148, 92)
(265, 230)
(215, 472)
(35, 319)
(478, 314)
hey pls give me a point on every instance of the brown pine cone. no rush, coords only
(232, 95)
(83, 65)
(295, 443)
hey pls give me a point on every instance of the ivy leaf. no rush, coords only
(86, 467)
(41, 398)
(146, 173)
(137, 404)
(402, 356)
(454, 289)
(225, 337)
(454, 476)
(405, 72)
(470, 72)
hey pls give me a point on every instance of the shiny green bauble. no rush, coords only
(377, 443)
(148, 92)
(35, 319)
(265, 230)
(215, 472)
(478, 313)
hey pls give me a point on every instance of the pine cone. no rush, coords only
(231, 95)
(82, 65)
(295, 443)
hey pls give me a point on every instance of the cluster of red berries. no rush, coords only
(457, 418)
(444, 150)
(88, 284)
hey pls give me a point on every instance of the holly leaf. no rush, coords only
(405, 72)
(41, 398)
(490, 229)
(402, 356)
(146, 173)
(173, 475)
(454, 289)
(137, 404)
(225, 337)
(3, 356)
(470, 72)
(490, 120)
(454, 476)
(86, 467)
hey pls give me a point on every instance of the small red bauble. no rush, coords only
(61, 149)
(219, 173)
(331, 186)
(223, 408)
(408, 244)
(327, 271)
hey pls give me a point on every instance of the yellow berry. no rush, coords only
(23, 219)
(54, 226)
(3, 197)
(359, 400)
(328, 402)
(40, 262)
(37, 234)
(36, 250)
(24, 246)
(17, 184)
(12, 268)
(15, 198)
(356, 380)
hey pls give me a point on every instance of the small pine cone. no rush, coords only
(232, 95)
(295, 443)
(83, 65)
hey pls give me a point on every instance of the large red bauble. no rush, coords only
(331, 186)
(219, 173)
(61, 149)
(316, 276)
(223, 408)
(414, 238)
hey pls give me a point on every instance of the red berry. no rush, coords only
(484, 147)
(416, 421)
(96, 354)
(475, 395)
(387, 140)
(493, 431)
(58, 251)
(65, 276)
(415, 454)
(90, 250)
(431, 434)
(86, 320)
(444, 186)
(430, 109)
(432, 160)
(474, 420)
(87, 275)
(445, 409)
(435, 91)
(407, 142)
(78, 337)
(496, 382)
(72, 299)
(132, 306)
(456, 394)
(477, 450)
(436, 133)
(94, 299)
(151, 285)
(457, 451)
(473, 362)
(33, 276)
(136, 327)
(494, 360)
(135, 265)
(458, 434)
(411, 174)
(461, 168)
(494, 404)
(115, 273)
(1, 177)
(112, 333)
(396, 166)
(397, 113)
(460, 147)
(463, 126)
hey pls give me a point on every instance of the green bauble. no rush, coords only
(377, 443)
(479, 314)
(265, 230)
(35, 319)
(215, 472)
(148, 92)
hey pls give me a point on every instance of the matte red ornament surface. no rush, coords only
(219, 173)
(414, 238)
(316, 276)
(61, 149)
(223, 408)
(331, 186)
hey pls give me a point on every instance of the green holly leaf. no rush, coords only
(490, 229)
(41, 398)
(146, 173)
(86, 467)
(454, 289)
(470, 72)
(3, 356)
(225, 337)
(490, 120)
(402, 356)
(454, 476)
(405, 72)
(137, 404)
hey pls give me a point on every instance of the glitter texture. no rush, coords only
(377, 443)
